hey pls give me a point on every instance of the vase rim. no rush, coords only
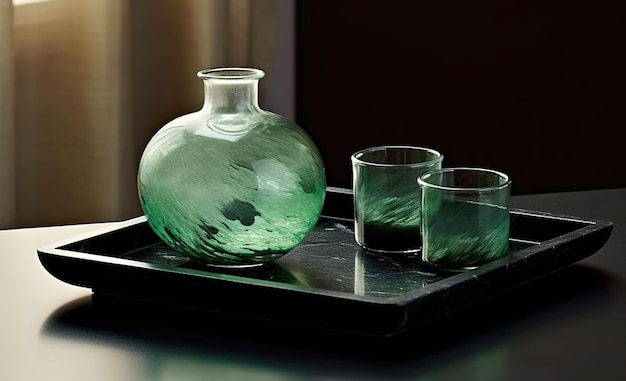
(231, 73)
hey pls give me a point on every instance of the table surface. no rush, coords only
(570, 325)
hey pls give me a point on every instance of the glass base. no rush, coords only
(411, 251)
(460, 269)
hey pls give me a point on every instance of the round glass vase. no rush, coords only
(231, 185)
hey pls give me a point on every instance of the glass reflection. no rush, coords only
(388, 275)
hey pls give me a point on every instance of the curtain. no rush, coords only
(85, 84)
(7, 129)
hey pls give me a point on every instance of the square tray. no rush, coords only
(327, 282)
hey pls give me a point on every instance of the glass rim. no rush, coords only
(231, 73)
(355, 157)
(422, 179)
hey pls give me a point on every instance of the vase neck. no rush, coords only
(231, 90)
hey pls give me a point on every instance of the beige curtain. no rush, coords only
(85, 84)
(7, 127)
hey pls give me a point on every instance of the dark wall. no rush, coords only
(533, 88)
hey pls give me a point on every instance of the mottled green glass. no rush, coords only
(231, 185)
(465, 217)
(387, 196)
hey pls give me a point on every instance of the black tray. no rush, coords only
(327, 282)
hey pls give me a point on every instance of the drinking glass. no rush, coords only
(387, 196)
(465, 217)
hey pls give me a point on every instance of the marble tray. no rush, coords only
(327, 282)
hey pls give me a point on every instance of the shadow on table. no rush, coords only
(118, 320)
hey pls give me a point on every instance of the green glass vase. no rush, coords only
(231, 185)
